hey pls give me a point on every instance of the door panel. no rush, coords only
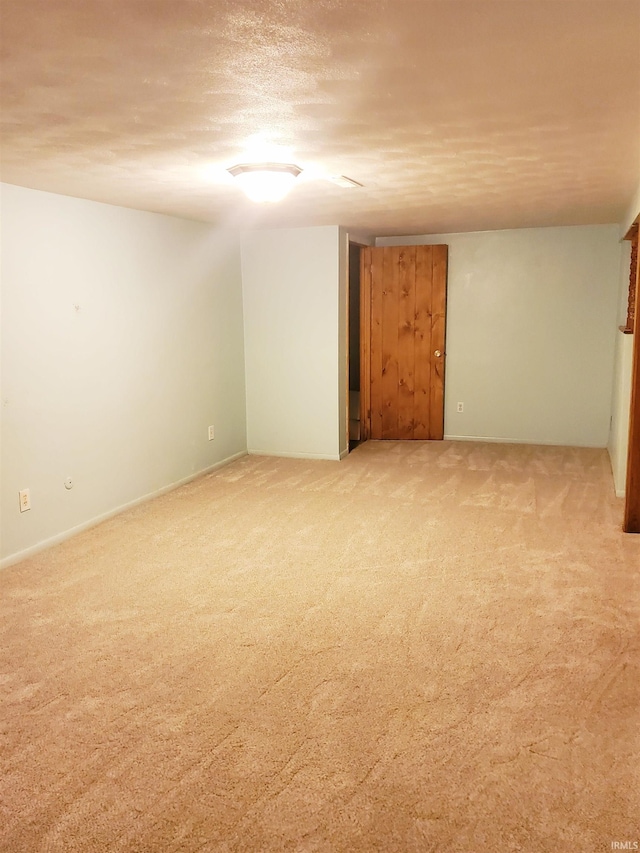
(406, 342)
(389, 381)
(404, 320)
(424, 271)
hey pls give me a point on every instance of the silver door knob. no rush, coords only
(437, 353)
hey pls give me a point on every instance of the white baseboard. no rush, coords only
(286, 454)
(619, 478)
(532, 441)
(98, 519)
(344, 454)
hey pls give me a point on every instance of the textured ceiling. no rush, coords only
(456, 115)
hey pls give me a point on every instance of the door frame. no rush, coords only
(365, 350)
(360, 245)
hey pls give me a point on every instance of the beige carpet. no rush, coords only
(427, 647)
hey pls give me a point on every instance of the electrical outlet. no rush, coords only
(461, 407)
(25, 500)
(211, 434)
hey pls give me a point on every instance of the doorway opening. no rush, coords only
(355, 433)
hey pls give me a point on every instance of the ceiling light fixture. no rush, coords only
(264, 182)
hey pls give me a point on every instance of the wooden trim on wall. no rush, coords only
(632, 234)
(631, 522)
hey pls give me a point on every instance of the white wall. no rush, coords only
(633, 211)
(291, 290)
(122, 341)
(531, 328)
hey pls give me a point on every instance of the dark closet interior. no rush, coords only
(354, 345)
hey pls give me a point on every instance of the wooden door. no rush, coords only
(403, 315)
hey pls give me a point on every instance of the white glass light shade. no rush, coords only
(264, 182)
